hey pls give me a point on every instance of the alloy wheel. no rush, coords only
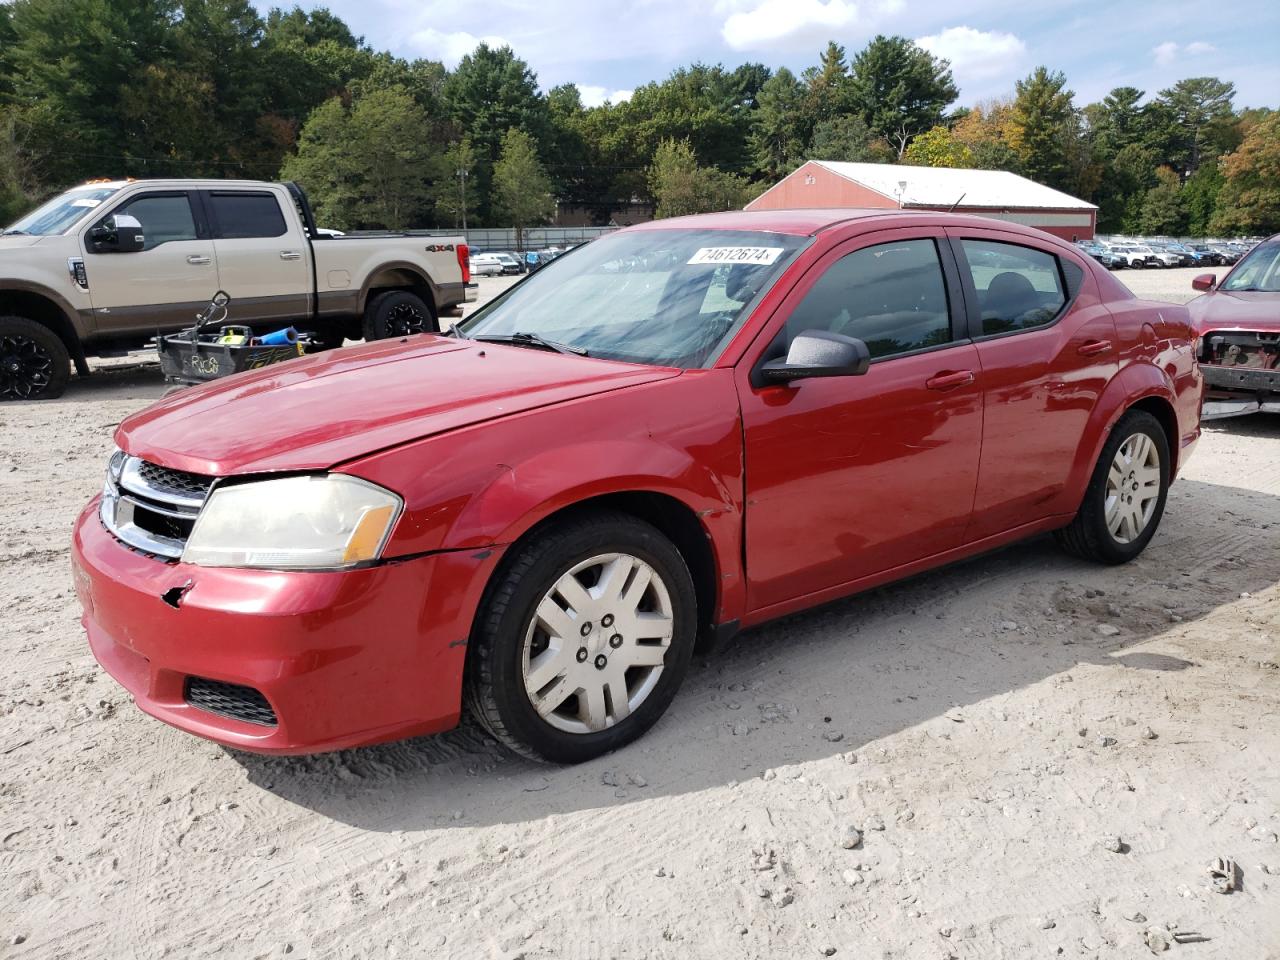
(26, 367)
(404, 319)
(594, 649)
(1133, 488)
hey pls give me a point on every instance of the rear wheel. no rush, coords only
(34, 362)
(583, 639)
(1126, 495)
(397, 313)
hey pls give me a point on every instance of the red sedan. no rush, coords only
(677, 431)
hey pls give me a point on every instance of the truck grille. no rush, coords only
(230, 700)
(152, 508)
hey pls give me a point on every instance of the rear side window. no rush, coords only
(891, 296)
(243, 216)
(163, 218)
(1019, 288)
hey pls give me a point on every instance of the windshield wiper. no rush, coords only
(455, 330)
(521, 339)
(13, 233)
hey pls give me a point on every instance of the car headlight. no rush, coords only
(294, 523)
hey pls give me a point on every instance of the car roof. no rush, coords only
(809, 222)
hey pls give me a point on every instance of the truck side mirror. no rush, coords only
(121, 233)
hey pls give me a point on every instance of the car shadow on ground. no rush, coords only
(832, 680)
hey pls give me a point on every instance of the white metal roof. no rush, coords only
(943, 186)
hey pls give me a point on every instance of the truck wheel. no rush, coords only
(582, 639)
(396, 313)
(34, 362)
(1125, 499)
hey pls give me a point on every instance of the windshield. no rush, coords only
(62, 212)
(663, 297)
(1259, 270)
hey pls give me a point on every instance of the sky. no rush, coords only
(609, 48)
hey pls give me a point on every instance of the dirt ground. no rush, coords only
(1042, 755)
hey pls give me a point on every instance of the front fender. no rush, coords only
(485, 486)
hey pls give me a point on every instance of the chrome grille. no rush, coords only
(174, 481)
(152, 508)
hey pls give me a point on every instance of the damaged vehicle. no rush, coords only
(672, 433)
(1238, 323)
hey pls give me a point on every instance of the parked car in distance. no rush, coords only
(1165, 255)
(486, 265)
(685, 428)
(510, 264)
(1227, 255)
(1205, 256)
(1238, 322)
(103, 267)
(1131, 255)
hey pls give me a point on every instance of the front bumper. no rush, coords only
(1241, 379)
(344, 659)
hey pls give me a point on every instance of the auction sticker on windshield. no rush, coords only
(764, 255)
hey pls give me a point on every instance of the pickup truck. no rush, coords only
(103, 267)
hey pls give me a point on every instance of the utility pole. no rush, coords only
(462, 182)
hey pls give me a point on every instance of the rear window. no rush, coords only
(243, 216)
(1019, 288)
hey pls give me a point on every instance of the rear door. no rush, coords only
(1047, 347)
(262, 255)
(848, 477)
(166, 283)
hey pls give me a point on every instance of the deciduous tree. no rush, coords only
(1249, 201)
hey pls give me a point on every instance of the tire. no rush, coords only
(512, 640)
(1092, 535)
(34, 362)
(397, 313)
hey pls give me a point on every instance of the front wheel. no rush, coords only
(582, 639)
(1125, 499)
(34, 362)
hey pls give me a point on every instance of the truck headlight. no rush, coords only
(294, 523)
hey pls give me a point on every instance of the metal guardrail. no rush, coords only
(535, 238)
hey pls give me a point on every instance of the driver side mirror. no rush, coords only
(1205, 281)
(121, 233)
(818, 353)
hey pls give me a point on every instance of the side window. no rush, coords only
(891, 296)
(244, 216)
(163, 218)
(1019, 288)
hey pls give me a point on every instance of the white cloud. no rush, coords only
(449, 48)
(975, 53)
(595, 96)
(1167, 52)
(790, 24)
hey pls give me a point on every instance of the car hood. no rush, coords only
(1227, 310)
(318, 411)
(17, 240)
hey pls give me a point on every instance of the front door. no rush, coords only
(166, 283)
(848, 477)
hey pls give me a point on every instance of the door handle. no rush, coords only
(197, 258)
(290, 255)
(949, 381)
(1094, 347)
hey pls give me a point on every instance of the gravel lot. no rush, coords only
(1042, 756)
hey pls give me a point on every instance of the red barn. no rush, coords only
(988, 193)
